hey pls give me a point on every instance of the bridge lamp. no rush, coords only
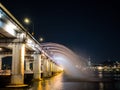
(28, 21)
(41, 39)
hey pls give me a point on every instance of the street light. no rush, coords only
(28, 21)
(41, 39)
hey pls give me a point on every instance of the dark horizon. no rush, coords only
(89, 28)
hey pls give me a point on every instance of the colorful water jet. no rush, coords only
(71, 62)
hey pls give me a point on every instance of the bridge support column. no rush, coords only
(37, 67)
(45, 68)
(17, 77)
(50, 68)
(28, 65)
(54, 68)
(0, 63)
(51, 65)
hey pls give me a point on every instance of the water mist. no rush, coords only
(73, 65)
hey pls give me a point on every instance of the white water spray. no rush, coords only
(73, 65)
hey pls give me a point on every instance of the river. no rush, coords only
(64, 82)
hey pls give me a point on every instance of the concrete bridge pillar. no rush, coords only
(28, 65)
(18, 64)
(52, 67)
(45, 67)
(49, 67)
(0, 63)
(55, 68)
(37, 67)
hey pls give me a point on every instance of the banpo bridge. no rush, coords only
(18, 43)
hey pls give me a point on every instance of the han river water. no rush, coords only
(64, 82)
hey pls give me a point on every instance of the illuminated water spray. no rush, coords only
(71, 62)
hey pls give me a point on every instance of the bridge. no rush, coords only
(18, 43)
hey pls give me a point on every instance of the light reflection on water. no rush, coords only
(54, 83)
(63, 82)
(101, 86)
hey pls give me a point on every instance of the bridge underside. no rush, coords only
(18, 43)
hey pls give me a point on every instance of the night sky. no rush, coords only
(90, 28)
